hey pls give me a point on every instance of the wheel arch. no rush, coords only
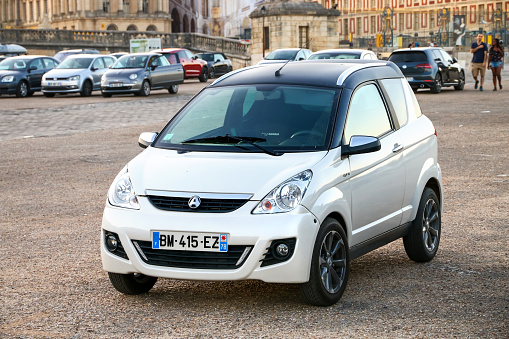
(434, 184)
(339, 218)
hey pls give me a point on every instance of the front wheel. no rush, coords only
(421, 244)
(330, 266)
(173, 89)
(212, 73)
(86, 90)
(145, 89)
(132, 283)
(22, 89)
(437, 86)
(204, 75)
(461, 83)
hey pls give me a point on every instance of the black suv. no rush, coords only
(429, 67)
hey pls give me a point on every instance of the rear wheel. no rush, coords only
(330, 266)
(461, 83)
(86, 90)
(421, 244)
(145, 89)
(437, 86)
(22, 89)
(204, 75)
(173, 89)
(136, 283)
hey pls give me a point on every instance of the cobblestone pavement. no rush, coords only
(54, 190)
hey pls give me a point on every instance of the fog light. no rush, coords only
(282, 250)
(111, 243)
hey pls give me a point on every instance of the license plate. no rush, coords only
(409, 79)
(55, 84)
(116, 84)
(207, 242)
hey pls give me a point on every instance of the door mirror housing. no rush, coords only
(93, 69)
(153, 67)
(32, 68)
(360, 144)
(454, 60)
(146, 139)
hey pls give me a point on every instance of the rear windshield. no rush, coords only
(206, 57)
(334, 56)
(416, 56)
(281, 55)
(277, 118)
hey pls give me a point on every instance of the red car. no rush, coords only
(194, 67)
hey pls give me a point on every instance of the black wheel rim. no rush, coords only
(332, 262)
(211, 73)
(23, 89)
(431, 225)
(174, 88)
(438, 83)
(146, 88)
(462, 79)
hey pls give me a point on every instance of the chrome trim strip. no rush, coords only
(243, 256)
(139, 250)
(201, 195)
(355, 68)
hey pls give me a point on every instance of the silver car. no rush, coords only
(78, 73)
(138, 73)
(344, 54)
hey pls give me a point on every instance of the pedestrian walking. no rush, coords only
(495, 62)
(480, 52)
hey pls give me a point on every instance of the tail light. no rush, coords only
(423, 66)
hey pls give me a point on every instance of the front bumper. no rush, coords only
(62, 86)
(244, 228)
(127, 86)
(8, 87)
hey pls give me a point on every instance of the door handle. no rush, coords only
(397, 148)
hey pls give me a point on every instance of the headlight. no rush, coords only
(133, 76)
(286, 196)
(74, 78)
(8, 78)
(121, 193)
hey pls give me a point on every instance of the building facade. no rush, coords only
(454, 20)
(173, 16)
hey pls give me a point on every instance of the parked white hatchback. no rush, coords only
(281, 175)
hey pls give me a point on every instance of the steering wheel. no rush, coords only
(306, 132)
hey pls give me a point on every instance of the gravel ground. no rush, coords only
(52, 283)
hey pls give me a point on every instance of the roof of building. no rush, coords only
(288, 7)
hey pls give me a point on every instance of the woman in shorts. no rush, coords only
(495, 62)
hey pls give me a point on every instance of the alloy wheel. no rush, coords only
(430, 225)
(332, 262)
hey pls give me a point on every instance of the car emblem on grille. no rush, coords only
(194, 202)
(404, 66)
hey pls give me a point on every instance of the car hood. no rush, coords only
(6, 72)
(213, 172)
(65, 73)
(122, 73)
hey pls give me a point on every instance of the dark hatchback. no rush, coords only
(429, 67)
(218, 63)
(22, 75)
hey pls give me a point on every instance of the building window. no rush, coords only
(266, 38)
(416, 21)
(106, 6)
(359, 26)
(401, 21)
(205, 8)
(481, 14)
(431, 19)
(126, 6)
(151, 28)
(145, 6)
(359, 4)
(112, 28)
(345, 25)
(303, 36)
(372, 25)
(132, 28)
(464, 10)
(373, 3)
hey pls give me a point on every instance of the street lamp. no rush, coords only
(263, 11)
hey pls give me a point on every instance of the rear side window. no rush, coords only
(396, 93)
(108, 62)
(416, 56)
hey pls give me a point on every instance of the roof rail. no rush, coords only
(355, 68)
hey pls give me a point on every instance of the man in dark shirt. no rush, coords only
(480, 52)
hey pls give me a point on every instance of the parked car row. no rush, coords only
(84, 71)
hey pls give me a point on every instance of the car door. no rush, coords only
(220, 64)
(36, 70)
(377, 179)
(452, 69)
(97, 70)
(442, 65)
(172, 74)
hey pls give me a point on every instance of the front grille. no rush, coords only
(193, 259)
(207, 205)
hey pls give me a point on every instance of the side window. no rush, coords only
(436, 54)
(50, 63)
(189, 54)
(172, 58)
(446, 56)
(163, 61)
(98, 63)
(37, 63)
(413, 105)
(218, 57)
(367, 114)
(182, 55)
(394, 88)
(108, 62)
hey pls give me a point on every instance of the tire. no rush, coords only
(132, 283)
(437, 87)
(461, 84)
(86, 89)
(145, 89)
(330, 260)
(204, 75)
(22, 89)
(106, 95)
(30, 93)
(173, 89)
(49, 95)
(421, 244)
(230, 68)
(212, 73)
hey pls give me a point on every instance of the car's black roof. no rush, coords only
(322, 73)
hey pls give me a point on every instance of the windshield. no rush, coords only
(206, 57)
(131, 61)
(335, 56)
(282, 55)
(75, 63)
(13, 64)
(408, 57)
(254, 118)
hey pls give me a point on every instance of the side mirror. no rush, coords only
(153, 67)
(454, 60)
(360, 144)
(93, 69)
(33, 68)
(301, 58)
(218, 60)
(146, 139)
(194, 57)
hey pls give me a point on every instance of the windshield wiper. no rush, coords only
(221, 139)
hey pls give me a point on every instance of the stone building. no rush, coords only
(289, 24)
(123, 15)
